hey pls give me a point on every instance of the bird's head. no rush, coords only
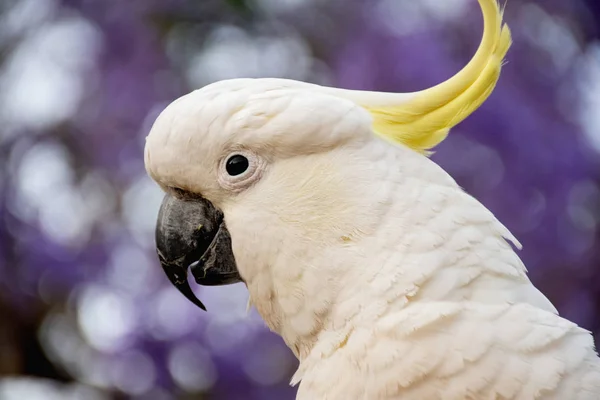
(274, 182)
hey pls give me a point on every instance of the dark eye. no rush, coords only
(236, 165)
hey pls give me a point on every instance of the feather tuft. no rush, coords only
(422, 120)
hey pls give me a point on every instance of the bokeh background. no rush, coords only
(85, 311)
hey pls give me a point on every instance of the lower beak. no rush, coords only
(192, 233)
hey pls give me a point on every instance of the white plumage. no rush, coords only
(381, 274)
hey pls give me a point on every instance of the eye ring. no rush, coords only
(240, 169)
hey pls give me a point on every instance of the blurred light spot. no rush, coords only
(448, 9)
(232, 53)
(105, 317)
(588, 83)
(98, 195)
(155, 394)
(281, 5)
(574, 240)
(24, 15)
(173, 314)
(45, 189)
(192, 367)
(45, 389)
(269, 364)
(47, 287)
(549, 33)
(229, 303)
(133, 372)
(63, 218)
(44, 172)
(228, 322)
(400, 17)
(64, 346)
(475, 157)
(132, 270)
(141, 202)
(533, 212)
(223, 336)
(43, 80)
(406, 17)
(583, 198)
(486, 160)
(61, 340)
(94, 367)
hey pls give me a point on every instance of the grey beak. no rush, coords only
(191, 233)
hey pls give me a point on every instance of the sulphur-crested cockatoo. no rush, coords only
(385, 279)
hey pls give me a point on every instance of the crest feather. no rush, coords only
(421, 120)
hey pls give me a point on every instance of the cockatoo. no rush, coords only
(383, 277)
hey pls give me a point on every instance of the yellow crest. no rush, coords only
(421, 120)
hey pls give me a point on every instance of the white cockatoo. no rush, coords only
(383, 277)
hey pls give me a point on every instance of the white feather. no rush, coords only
(384, 278)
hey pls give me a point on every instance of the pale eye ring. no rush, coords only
(240, 169)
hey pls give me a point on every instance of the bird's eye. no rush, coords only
(240, 169)
(237, 165)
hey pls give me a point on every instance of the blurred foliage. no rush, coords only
(85, 311)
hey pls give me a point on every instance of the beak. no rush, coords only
(192, 233)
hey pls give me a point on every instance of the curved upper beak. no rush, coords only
(192, 233)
